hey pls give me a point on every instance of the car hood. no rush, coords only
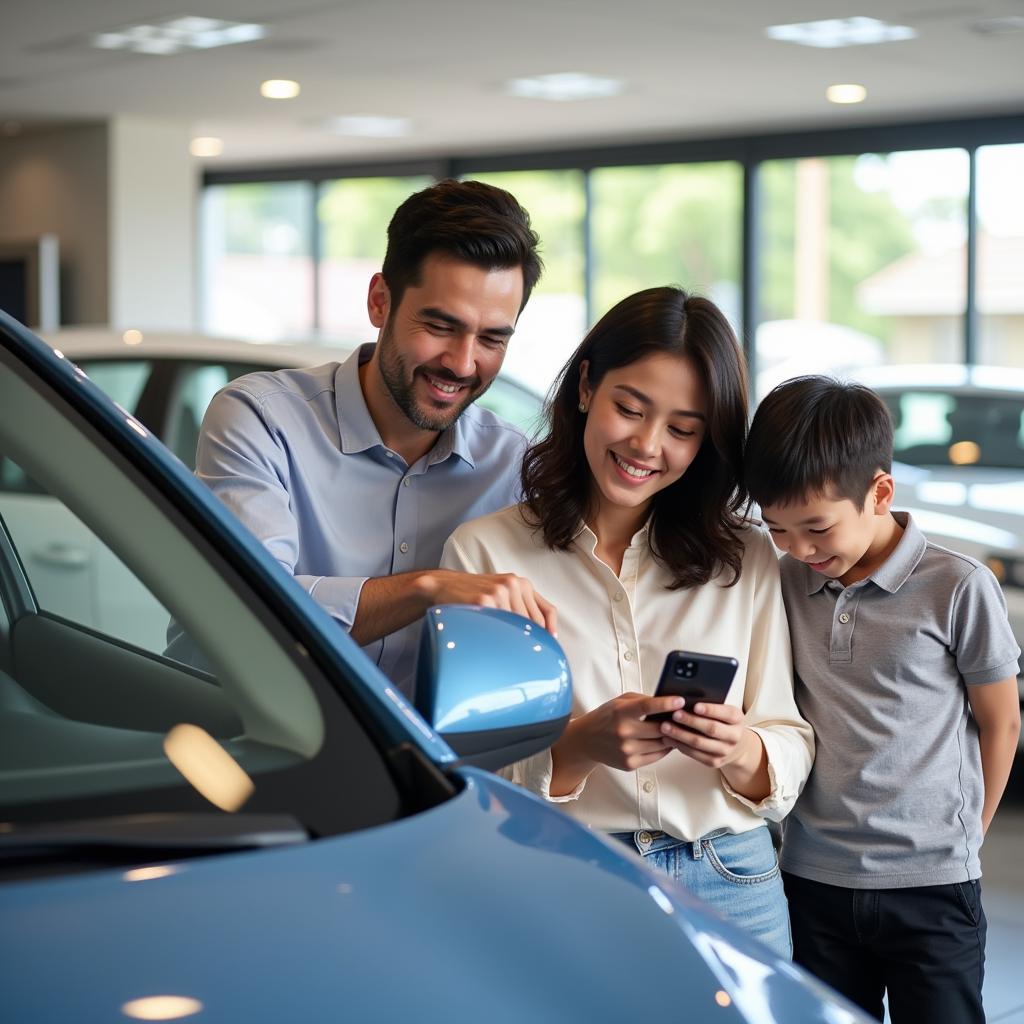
(985, 506)
(491, 905)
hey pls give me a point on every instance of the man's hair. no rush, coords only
(694, 524)
(466, 220)
(816, 435)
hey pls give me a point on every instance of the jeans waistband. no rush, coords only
(652, 841)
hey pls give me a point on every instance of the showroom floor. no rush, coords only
(1002, 861)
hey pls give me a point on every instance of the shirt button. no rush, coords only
(403, 547)
(648, 786)
(844, 618)
(618, 596)
(406, 482)
(645, 837)
(628, 656)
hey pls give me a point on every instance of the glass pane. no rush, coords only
(555, 319)
(354, 214)
(669, 224)
(863, 262)
(257, 277)
(122, 379)
(1001, 255)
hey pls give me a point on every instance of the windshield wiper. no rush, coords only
(170, 832)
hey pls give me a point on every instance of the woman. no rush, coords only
(631, 526)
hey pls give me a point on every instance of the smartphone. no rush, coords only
(697, 677)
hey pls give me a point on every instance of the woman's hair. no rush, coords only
(694, 521)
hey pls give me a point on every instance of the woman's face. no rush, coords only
(645, 425)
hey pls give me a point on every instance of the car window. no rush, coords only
(122, 379)
(519, 406)
(194, 386)
(942, 428)
(91, 705)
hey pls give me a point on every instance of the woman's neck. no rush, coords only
(614, 528)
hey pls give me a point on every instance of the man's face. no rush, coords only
(444, 343)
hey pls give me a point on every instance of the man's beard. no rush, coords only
(401, 385)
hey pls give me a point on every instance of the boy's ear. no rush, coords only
(883, 491)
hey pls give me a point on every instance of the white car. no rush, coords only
(166, 381)
(959, 449)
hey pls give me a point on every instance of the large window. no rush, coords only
(1000, 292)
(863, 262)
(555, 319)
(354, 215)
(257, 256)
(670, 224)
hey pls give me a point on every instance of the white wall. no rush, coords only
(152, 214)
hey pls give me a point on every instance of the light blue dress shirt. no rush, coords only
(295, 455)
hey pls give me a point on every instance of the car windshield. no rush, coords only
(937, 427)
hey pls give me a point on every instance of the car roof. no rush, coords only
(100, 342)
(998, 379)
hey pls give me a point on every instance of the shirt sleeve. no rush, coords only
(768, 702)
(243, 459)
(982, 639)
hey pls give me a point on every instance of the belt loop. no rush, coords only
(697, 848)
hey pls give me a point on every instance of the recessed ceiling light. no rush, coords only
(280, 89)
(846, 92)
(206, 145)
(836, 32)
(369, 125)
(175, 35)
(564, 86)
(1000, 26)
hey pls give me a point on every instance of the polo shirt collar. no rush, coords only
(358, 432)
(895, 570)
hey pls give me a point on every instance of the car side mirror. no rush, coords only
(495, 685)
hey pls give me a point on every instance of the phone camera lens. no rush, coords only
(680, 670)
(690, 669)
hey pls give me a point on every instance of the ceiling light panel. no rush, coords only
(369, 126)
(176, 35)
(836, 32)
(564, 86)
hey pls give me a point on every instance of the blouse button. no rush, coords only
(648, 786)
(628, 656)
(617, 596)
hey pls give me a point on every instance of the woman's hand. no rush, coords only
(717, 737)
(614, 734)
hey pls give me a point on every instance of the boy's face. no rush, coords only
(831, 535)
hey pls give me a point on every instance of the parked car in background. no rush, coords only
(288, 838)
(166, 382)
(959, 449)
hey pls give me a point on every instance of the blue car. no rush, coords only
(280, 835)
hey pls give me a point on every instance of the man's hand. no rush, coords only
(389, 603)
(507, 591)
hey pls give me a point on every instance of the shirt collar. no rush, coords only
(357, 430)
(895, 570)
(587, 539)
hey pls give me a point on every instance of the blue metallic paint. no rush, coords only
(492, 906)
(458, 639)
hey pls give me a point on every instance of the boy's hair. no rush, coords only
(466, 220)
(813, 435)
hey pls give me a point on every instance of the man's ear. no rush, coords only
(883, 489)
(585, 389)
(378, 301)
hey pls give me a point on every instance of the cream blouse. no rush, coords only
(616, 631)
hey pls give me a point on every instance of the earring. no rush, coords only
(582, 407)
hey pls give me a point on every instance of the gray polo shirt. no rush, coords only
(894, 798)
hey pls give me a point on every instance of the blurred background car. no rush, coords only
(166, 381)
(959, 450)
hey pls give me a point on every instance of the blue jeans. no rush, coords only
(738, 875)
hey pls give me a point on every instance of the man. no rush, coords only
(354, 474)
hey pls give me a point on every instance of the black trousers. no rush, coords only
(923, 946)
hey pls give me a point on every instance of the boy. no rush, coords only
(893, 639)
